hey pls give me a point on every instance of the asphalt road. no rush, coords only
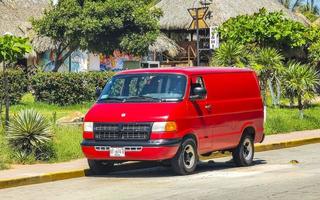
(272, 177)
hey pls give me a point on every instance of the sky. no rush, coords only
(316, 1)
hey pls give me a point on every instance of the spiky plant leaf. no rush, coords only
(28, 130)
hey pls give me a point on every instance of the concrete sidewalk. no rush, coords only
(271, 142)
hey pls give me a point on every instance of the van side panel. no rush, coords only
(236, 104)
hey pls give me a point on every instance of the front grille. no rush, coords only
(125, 131)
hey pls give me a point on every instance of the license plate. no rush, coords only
(117, 152)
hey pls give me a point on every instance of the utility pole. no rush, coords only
(198, 39)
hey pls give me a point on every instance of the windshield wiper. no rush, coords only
(112, 99)
(143, 98)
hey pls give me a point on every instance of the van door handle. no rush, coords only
(208, 107)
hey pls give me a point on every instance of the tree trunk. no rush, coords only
(300, 106)
(59, 62)
(272, 93)
(291, 101)
(264, 91)
(278, 85)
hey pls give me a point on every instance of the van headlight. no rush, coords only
(88, 126)
(164, 127)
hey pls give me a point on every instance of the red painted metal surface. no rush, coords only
(233, 103)
(147, 154)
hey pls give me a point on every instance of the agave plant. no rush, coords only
(28, 131)
(267, 62)
(300, 81)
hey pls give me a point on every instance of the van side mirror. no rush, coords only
(199, 93)
(98, 92)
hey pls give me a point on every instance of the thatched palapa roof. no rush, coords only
(176, 16)
(15, 16)
(163, 44)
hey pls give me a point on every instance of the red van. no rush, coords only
(174, 114)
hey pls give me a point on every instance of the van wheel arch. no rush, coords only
(250, 130)
(190, 135)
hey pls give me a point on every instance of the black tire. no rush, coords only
(100, 167)
(186, 159)
(244, 153)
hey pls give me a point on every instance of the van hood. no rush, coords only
(133, 112)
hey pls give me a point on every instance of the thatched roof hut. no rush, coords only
(176, 16)
(15, 18)
(163, 44)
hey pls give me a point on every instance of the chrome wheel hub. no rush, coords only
(247, 149)
(189, 157)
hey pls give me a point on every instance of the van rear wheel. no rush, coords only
(244, 153)
(186, 159)
(100, 167)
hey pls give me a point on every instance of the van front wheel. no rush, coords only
(186, 159)
(100, 167)
(243, 154)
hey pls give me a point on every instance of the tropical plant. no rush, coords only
(300, 81)
(12, 48)
(229, 54)
(99, 26)
(265, 29)
(267, 62)
(28, 131)
(314, 53)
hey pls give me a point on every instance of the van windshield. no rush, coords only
(144, 88)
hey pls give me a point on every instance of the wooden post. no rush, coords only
(6, 94)
(189, 55)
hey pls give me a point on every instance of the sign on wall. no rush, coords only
(214, 37)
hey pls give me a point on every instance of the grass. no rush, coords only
(5, 152)
(66, 143)
(28, 102)
(285, 120)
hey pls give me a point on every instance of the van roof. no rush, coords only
(188, 70)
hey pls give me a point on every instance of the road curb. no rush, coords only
(50, 177)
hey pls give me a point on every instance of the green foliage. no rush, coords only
(28, 131)
(229, 54)
(100, 26)
(300, 81)
(314, 53)
(68, 88)
(13, 48)
(267, 62)
(18, 83)
(264, 29)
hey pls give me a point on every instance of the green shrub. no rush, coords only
(18, 84)
(68, 88)
(28, 131)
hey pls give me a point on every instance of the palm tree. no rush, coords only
(300, 81)
(229, 54)
(291, 4)
(267, 62)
